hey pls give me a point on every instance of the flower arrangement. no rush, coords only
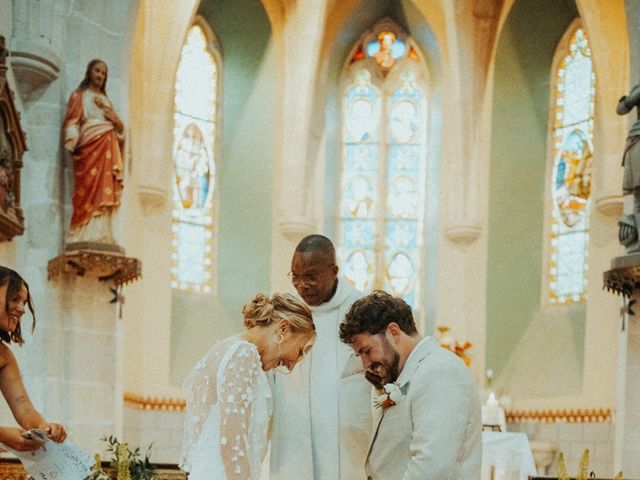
(128, 465)
(447, 341)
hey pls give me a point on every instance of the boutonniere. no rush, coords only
(391, 395)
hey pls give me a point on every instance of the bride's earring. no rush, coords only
(279, 338)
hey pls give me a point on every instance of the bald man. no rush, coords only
(322, 411)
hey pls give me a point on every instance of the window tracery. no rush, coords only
(195, 167)
(570, 181)
(384, 145)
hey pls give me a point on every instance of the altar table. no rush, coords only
(506, 455)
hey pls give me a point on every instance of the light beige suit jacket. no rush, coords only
(435, 431)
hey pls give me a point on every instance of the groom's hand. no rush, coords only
(373, 379)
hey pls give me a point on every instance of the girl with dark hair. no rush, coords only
(14, 297)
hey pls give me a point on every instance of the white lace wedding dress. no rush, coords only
(228, 412)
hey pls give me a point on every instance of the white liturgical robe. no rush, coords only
(322, 411)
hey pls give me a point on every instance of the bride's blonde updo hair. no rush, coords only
(263, 310)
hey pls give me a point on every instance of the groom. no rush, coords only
(429, 422)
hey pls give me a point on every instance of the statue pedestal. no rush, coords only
(624, 276)
(106, 262)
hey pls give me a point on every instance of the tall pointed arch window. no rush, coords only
(570, 179)
(383, 160)
(194, 135)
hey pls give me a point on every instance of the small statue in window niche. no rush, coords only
(629, 223)
(94, 134)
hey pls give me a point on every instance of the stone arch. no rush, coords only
(159, 34)
(609, 40)
(515, 341)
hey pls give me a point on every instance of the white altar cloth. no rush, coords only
(506, 456)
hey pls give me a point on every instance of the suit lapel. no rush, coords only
(374, 436)
(420, 351)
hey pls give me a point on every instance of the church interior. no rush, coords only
(465, 155)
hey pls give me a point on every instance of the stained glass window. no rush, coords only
(383, 167)
(574, 88)
(195, 174)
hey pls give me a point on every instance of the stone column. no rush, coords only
(304, 25)
(627, 425)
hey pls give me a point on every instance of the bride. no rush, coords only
(228, 394)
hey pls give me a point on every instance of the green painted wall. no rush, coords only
(249, 81)
(516, 322)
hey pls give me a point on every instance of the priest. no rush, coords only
(322, 411)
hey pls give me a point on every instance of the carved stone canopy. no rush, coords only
(34, 66)
(106, 266)
(12, 146)
(624, 276)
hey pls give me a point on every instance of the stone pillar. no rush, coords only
(73, 364)
(627, 426)
(304, 26)
(624, 278)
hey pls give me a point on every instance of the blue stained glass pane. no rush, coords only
(402, 234)
(361, 158)
(408, 90)
(404, 121)
(398, 49)
(373, 47)
(400, 275)
(571, 178)
(571, 267)
(358, 234)
(572, 182)
(362, 110)
(362, 121)
(193, 149)
(359, 197)
(404, 159)
(403, 199)
(191, 253)
(193, 171)
(358, 268)
(401, 258)
(365, 228)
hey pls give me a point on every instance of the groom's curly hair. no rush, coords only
(373, 313)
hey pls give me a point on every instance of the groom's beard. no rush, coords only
(388, 369)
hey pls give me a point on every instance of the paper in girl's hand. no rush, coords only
(36, 434)
(56, 461)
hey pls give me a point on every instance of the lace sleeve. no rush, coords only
(237, 392)
(200, 393)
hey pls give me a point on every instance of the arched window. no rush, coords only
(383, 160)
(573, 87)
(194, 135)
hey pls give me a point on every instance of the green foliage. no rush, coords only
(140, 468)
